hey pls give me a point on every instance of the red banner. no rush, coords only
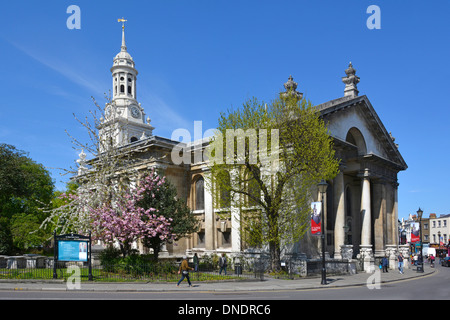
(316, 218)
(415, 232)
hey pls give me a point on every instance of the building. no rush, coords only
(361, 202)
(439, 233)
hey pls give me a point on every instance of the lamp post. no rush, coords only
(420, 263)
(323, 189)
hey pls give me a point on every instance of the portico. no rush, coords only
(362, 200)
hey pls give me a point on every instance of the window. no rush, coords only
(253, 190)
(133, 139)
(129, 89)
(201, 240)
(226, 239)
(200, 194)
(224, 194)
(122, 88)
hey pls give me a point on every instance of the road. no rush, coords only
(432, 287)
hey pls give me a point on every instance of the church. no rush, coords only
(361, 203)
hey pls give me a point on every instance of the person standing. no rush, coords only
(223, 264)
(385, 264)
(400, 262)
(195, 262)
(184, 270)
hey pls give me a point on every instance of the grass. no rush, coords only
(119, 275)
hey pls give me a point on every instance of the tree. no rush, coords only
(125, 221)
(26, 186)
(109, 190)
(164, 200)
(101, 180)
(280, 185)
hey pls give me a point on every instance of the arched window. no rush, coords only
(355, 137)
(122, 88)
(129, 89)
(200, 194)
(133, 139)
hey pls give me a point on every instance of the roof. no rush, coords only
(384, 138)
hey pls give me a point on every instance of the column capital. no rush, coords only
(364, 174)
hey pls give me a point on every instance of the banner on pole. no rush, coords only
(415, 232)
(316, 218)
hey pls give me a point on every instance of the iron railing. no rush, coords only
(122, 272)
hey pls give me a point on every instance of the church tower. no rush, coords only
(124, 121)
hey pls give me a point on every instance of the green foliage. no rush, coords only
(135, 264)
(6, 239)
(26, 187)
(280, 189)
(209, 262)
(167, 204)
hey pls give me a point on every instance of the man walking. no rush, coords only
(223, 264)
(184, 270)
(400, 262)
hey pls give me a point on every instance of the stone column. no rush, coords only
(235, 216)
(379, 195)
(366, 233)
(339, 196)
(209, 219)
(394, 220)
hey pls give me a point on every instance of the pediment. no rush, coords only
(356, 127)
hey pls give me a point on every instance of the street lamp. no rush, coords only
(420, 263)
(323, 189)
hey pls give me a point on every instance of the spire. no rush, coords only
(351, 80)
(124, 47)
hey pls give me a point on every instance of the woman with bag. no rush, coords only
(184, 270)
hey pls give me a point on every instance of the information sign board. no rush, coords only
(73, 250)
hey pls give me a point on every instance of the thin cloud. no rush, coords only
(83, 80)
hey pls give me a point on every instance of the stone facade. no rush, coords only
(360, 203)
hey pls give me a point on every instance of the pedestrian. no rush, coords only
(432, 261)
(400, 262)
(184, 270)
(385, 264)
(195, 262)
(223, 264)
(416, 258)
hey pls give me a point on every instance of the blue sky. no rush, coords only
(197, 58)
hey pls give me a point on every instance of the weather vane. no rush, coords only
(123, 22)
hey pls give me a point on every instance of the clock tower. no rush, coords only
(124, 121)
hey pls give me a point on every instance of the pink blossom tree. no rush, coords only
(124, 221)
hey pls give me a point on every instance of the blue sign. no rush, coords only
(73, 250)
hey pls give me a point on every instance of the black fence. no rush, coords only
(18, 268)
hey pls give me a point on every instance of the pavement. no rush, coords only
(268, 284)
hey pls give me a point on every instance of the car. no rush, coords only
(445, 262)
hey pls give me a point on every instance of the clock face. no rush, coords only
(135, 112)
